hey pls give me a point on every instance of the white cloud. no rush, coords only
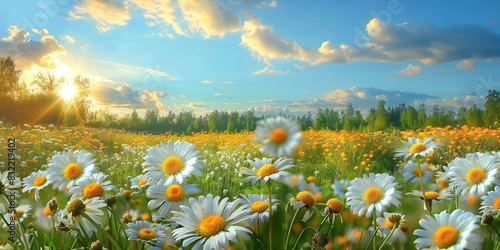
(126, 97)
(467, 64)
(270, 100)
(195, 105)
(136, 70)
(160, 12)
(26, 53)
(273, 4)
(303, 67)
(206, 81)
(217, 94)
(382, 97)
(340, 96)
(411, 70)
(107, 13)
(210, 17)
(182, 96)
(361, 94)
(68, 38)
(226, 82)
(269, 71)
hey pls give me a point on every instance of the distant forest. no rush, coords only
(44, 105)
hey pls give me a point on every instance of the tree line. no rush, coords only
(41, 103)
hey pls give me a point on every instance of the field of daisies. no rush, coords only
(274, 188)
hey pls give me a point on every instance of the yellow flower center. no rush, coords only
(278, 136)
(127, 218)
(472, 200)
(312, 179)
(335, 205)
(146, 216)
(415, 171)
(267, 170)
(417, 148)
(305, 197)
(431, 195)
(20, 213)
(172, 165)
(127, 193)
(75, 207)
(476, 175)
(373, 195)
(46, 211)
(174, 193)
(142, 182)
(388, 223)
(169, 246)
(39, 181)
(146, 234)
(259, 207)
(445, 236)
(93, 190)
(496, 204)
(72, 171)
(211, 225)
(442, 184)
(294, 180)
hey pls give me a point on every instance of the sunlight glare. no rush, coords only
(68, 91)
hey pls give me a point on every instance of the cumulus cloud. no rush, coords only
(361, 94)
(217, 94)
(467, 64)
(126, 97)
(107, 13)
(195, 105)
(382, 42)
(370, 96)
(411, 70)
(160, 12)
(210, 17)
(68, 38)
(340, 96)
(458, 102)
(269, 71)
(45, 53)
(264, 42)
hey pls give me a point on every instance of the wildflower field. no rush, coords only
(275, 188)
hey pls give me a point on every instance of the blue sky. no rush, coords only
(292, 56)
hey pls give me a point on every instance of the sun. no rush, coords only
(68, 91)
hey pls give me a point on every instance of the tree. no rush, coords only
(9, 78)
(48, 82)
(491, 108)
(82, 99)
(381, 118)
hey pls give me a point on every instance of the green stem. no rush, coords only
(300, 235)
(423, 188)
(290, 229)
(371, 238)
(374, 234)
(270, 214)
(394, 227)
(495, 230)
(113, 241)
(323, 221)
(53, 233)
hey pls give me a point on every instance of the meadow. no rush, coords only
(322, 158)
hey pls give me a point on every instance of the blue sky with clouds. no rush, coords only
(296, 56)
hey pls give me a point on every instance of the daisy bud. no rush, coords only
(75, 207)
(169, 246)
(62, 227)
(334, 205)
(111, 201)
(53, 205)
(96, 245)
(321, 239)
(127, 218)
(488, 217)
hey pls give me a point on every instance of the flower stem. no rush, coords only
(290, 228)
(371, 238)
(270, 215)
(300, 235)
(374, 234)
(113, 241)
(394, 227)
(323, 221)
(423, 188)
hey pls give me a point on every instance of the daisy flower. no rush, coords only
(175, 161)
(44, 218)
(92, 207)
(340, 188)
(168, 242)
(304, 200)
(411, 172)
(372, 193)
(433, 196)
(170, 197)
(475, 173)
(280, 136)
(35, 182)
(491, 200)
(211, 224)
(22, 211)
(91, 186)
(265, 169)
(450, 231)
(414, 147)
(295, 181)
(145, 232)
(8, 186)
(139, 181)
(259, 204)
(387, 224)
(68, 167)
